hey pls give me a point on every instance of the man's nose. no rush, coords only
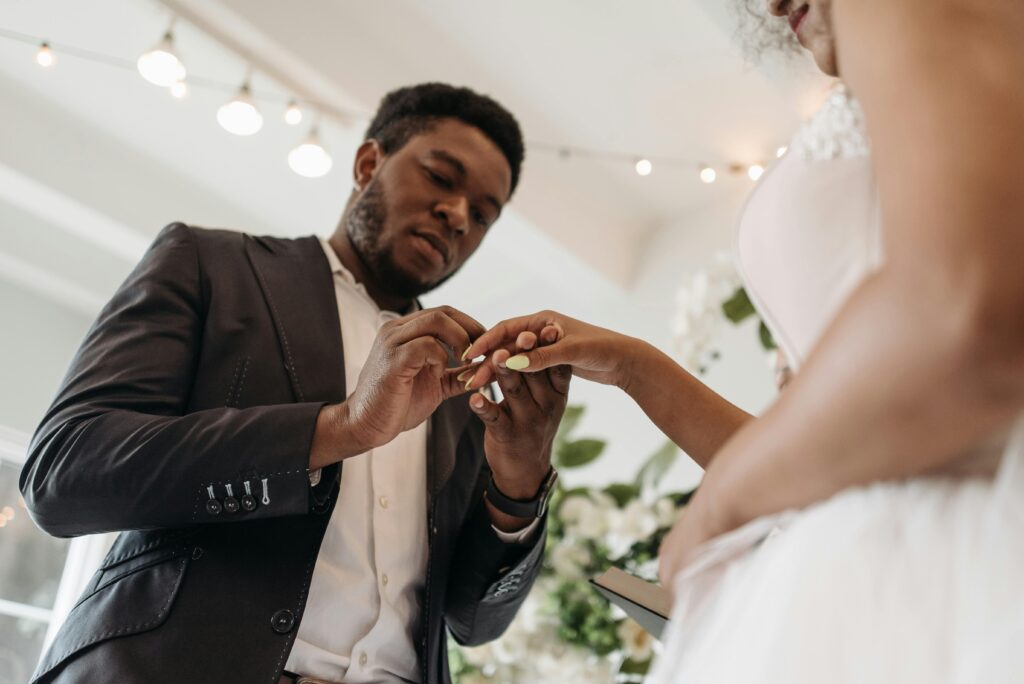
(455, 214)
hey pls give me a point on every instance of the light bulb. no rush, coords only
(755, 171)
(644, 167)
(781, 151)
(293, 115)
(708, 175)
(160, 66)
(44, 57)
(7, 512)
(240, 116)
(310, 159)
(179, 89)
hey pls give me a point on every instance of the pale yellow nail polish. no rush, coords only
(466, 375)
(465, 354)
(517, 362)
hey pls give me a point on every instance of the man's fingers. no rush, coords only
(422, 352)
(432, 323)
(560, 377)
(489, 412)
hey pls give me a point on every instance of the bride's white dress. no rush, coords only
(913, 581)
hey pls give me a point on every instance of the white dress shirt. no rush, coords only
(363, 607)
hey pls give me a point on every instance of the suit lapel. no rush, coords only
(298, 287)
(446, 427)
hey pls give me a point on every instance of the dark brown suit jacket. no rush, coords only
(207, 370)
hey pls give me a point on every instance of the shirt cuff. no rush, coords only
(520, 537)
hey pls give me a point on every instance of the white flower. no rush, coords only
(478, 656)
(629, 525)
(637, 643)
(666, 512)
(699, 310)
(586, 517)
(569, 559)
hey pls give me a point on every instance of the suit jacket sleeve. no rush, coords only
(490, 579)
(117, 451)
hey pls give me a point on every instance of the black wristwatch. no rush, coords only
(534, 508)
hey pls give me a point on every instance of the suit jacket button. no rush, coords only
(248, 502)
(213, 507)
(282, 621)
(231, 504)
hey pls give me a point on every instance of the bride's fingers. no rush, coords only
(507, 331)
(551, 334)
(526, 341)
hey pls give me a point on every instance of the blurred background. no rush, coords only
(646, 128)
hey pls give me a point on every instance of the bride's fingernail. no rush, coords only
(517, 362)
(466, 375)
(465, 354)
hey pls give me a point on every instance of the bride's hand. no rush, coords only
(594, 353)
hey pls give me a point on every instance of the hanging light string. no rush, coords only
(644, 165)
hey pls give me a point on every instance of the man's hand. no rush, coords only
(404, 380)
(520, 430)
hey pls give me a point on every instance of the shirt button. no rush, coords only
(383, 502)
(363, 659)
(384, 579)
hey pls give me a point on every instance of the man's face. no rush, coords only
(812, 22)
(427, 206)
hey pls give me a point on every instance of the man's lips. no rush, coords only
(437, 243)
(797, 17)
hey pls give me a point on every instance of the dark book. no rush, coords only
(647, 603)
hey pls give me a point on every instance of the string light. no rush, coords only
(161, 66)
(239, 115)
(310, 159)
(7, 512)
(44, 57)
(781, 152)
(293, 114)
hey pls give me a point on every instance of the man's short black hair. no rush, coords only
(409, 111)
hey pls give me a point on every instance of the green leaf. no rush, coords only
(570, 419)
(656, 465)
(634, 668)
(767, 341)
(578, 453)
(622, 493)
(738, 308)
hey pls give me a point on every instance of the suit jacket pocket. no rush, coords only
(135, 600)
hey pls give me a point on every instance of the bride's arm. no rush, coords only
(927, 357)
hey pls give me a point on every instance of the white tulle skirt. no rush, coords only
(918, 581)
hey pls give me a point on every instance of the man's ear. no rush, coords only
(368, 160)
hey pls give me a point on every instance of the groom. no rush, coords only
(304, 492)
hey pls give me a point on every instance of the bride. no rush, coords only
(869, 527)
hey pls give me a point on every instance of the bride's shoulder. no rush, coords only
(836, 131)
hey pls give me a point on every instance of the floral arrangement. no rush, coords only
(704, 301)
(566, 631)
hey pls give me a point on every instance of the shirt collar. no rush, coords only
(338, 269)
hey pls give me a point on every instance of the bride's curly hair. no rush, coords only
(762, 34)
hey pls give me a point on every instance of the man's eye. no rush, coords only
(480, 219)
(439, 179)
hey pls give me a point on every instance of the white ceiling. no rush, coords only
(653, 77)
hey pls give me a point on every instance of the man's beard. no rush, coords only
(364, 226)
